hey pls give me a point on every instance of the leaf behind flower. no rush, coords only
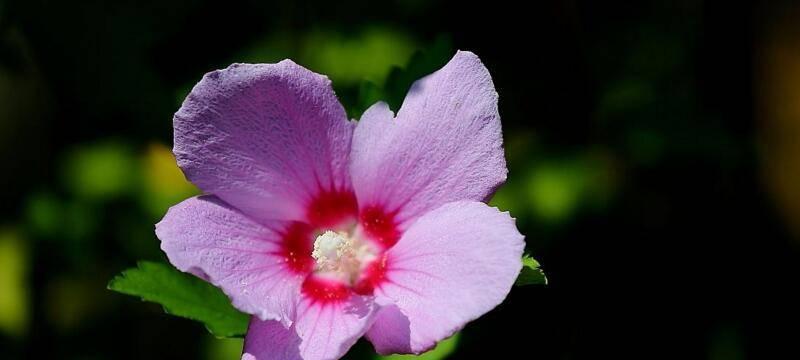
(182, 295)
(531, 273)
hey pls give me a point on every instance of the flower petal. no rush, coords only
(270, 340)
(390, 334)
(322, 331)
(445, 144)
(453, 265)
(265, 138)
(209, 238)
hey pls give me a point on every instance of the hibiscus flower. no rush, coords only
(326, 229)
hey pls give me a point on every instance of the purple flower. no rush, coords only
(327, 230)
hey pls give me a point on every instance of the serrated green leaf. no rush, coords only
(440, 352)
(531, 273)
(182, 295)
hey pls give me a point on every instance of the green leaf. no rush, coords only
(531, 273)
(441, 351)
(422, 63)
(182, 295)
(400, 78)
(368, 94)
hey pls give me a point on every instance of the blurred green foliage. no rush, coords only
(224, 348)
(14, 288)
(440, 352)
(726, 343)
(69, 220)
(100, 171)
(163, 183)
(346, 58)
(555, 188)
(72, 301)
(628, 128)
(368, 55)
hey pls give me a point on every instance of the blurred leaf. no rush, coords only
(79, 222)
(224, 348)
(531, 273)
(13, 283)
(441, 351)
(726, 343)
(348, 58)
(645, 146)
(182, 295)
(51, 217)
(66, 226)
(133, 235)
(163, 182)
(44, 213)
(554, 191)
(71, 302)
(345, 57)
(100, 171)
(623, 97)
(508, 198)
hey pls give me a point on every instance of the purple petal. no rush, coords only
(390, 334)
(264, 137)
(453, 265)
(270, 340)
(211, 239)
(322, 331)
(445, 144)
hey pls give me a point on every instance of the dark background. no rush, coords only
(651, 149)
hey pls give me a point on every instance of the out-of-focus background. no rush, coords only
(653, 149)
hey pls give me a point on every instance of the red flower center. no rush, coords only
(348, 246)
